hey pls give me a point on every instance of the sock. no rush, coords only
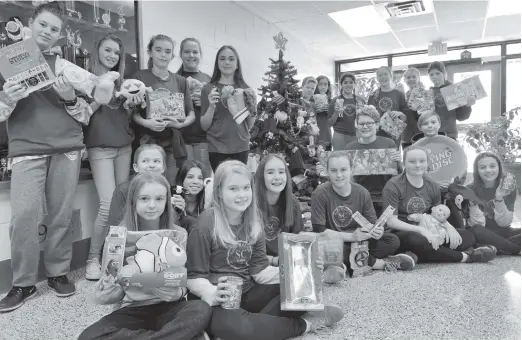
(465, 258)
(379, 264)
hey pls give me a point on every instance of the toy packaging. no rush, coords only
(80, 79)
(162, 103)
(393, 127)
(24, 63)
(301, 280)
(330, 249)
(456, 95)
(114, 250)
(508, 182)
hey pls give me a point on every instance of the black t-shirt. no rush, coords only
(193, 133)
(274, 227)
(488, 197)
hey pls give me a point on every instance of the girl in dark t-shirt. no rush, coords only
(228, 241)
(499, 205)
(413, 193)
(278, 206)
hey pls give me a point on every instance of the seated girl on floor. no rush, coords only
(228, 244)
(161, 313)
(279, 208)
(499, 206)
(191, 202)
(412, 192)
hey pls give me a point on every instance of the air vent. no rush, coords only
(406, 8)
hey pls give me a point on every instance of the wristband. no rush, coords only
(70, 102)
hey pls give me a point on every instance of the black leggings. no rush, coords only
(506, 240)
(216, 158)
(419, 245)
(183, 320)
(385, 246)
(259, 318)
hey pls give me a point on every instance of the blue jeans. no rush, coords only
(110, 167)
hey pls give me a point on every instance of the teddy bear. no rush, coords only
(434, 222)
(154, 254)
(131, 88)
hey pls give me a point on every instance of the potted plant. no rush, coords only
(501, 136)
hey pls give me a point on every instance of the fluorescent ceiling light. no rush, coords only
(497, 8)
(361, 22)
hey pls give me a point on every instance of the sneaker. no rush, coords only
(481, 254)
(93, 270)
(319, 321)
(16, 298)
(334, 274)
(400, 261)
(202, 336)
(61, 285)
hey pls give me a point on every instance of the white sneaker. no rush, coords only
(93, 270)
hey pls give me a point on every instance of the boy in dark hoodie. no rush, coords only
(437, 73)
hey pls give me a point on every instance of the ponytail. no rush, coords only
(150, 45)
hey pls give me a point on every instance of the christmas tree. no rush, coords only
(285, 126)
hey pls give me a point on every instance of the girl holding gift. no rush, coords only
(412, 192)
(159, 313)
(108, 139)
(492, 226)
(227, 119)
(415, 89)
(191, 178)
(387, 99)
(195, 137)
(228, 242)
(334, 203)
(342, 112)
(172, 91)
(437, 73)
(45, 144)
(279, 208)
(322, 97)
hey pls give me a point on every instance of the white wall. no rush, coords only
(225, 23)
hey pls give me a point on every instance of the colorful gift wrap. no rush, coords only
(508, 182)
(301, 280)
(393, 127)
(456, 95)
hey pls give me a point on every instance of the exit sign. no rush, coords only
(437, 48)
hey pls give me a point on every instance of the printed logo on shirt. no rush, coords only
(416, 205)
(272, 228)
(342, 216)
(114, 103)
(349, 110)
(385, 104)
(165, 103)
(439, 100)
(239, 255)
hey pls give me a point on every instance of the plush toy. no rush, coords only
(154, 254)
(209, 189)
(458, 199)
(314, 129)
(80, 79)
(281, 116)
(105, 87)
(434, 222)
(251, 100)
(226, 92)
(195, 87)
(339, 106)
(131, 88)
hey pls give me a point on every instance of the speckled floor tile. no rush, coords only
(434, 301)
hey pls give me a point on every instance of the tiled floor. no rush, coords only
(436, 301)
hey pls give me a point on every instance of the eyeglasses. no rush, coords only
(367, 124)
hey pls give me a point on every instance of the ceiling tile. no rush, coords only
(418, 38)
(337, 6)
(286, 10)
(458, 11)
(504, 27)
(465, 32)
(379, 43)
(321, 29)
(339, 50)
(408, 23)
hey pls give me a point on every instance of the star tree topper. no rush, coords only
(280, 41)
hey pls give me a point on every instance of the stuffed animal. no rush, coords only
(458, 199)
(209, 189)
(281, 116)
(105, 87)
(226, 92)
(131, 88)
(155, 254)
(195, 87)
(251, 100)
(434, 222)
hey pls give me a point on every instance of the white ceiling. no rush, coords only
(454, 22)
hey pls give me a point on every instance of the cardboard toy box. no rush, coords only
(301, 280)
(114, 250)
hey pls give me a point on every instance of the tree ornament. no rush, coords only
(280, 41)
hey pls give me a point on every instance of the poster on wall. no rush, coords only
(456, 95)
(24, 63)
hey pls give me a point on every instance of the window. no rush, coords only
(513, 84)
(482, 108)
(425, 80)
(514, 48)
(364, 65)
(480, 52)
